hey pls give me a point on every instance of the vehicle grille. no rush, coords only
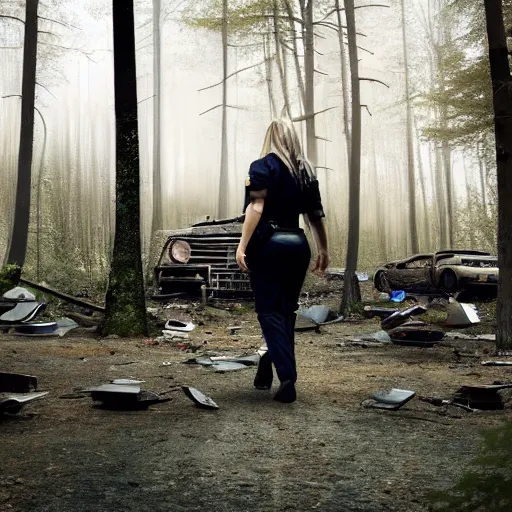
(219, 252)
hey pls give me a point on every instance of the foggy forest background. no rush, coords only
(426, 123)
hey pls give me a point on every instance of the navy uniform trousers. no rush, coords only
(277, 271)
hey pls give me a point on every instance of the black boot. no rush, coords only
(264, 374)
(286, 392)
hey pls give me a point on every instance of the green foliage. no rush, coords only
(462, 96)
(477, 223)
(488, 486)
(9, 277)
(243, 16)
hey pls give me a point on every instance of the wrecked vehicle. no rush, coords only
(203, 255)
(448, 270)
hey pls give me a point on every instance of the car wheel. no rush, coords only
(449, 281)
(380, 282)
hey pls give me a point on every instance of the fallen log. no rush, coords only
(64, 296)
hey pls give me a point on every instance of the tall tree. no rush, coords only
(413, 229)
(309, 74)
(502, 102)
(157, 218)
(17, 248)
(351, 290)
(125, 312)
(224, 181)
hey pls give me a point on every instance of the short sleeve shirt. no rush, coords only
(285, 199)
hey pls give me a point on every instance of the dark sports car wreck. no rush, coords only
(450, 271)
(203, 255)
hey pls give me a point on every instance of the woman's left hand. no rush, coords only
(240, 259)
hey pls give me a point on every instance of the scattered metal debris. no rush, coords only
(124, 396)
(227, 366)
(170, 335)
(18, 293)
(22, 312)
(461, 315)
(179, 326)
(16, 390)
(13, 402)
(202, 401)
(305, 324)
(372, 311)
(414, 337)
(440, 401)
(17, 382)
(318, 314)
(496, 363)
(482, 397)
(400, 317)
(391, 399)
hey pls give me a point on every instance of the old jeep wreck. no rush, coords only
(203, 255)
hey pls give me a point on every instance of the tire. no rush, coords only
(448, 281)
(380, 282)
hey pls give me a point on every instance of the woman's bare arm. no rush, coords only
(252, 218)
(320, 236)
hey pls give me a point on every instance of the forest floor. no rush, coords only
(325, 452)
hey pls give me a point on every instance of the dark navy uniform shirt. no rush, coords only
(285, 199)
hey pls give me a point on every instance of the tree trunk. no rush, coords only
(280, 59)
(423, 179)
(39, 224)
(344, 81)
(351, 291)
(440, 198)
(125, 308)
(309, 71)
(413, 229)
(223, 180)
(268, 79)
(17, 249)
(502, 100)
(483, 178)
(157, 216)
(293, 34)
(450, 214)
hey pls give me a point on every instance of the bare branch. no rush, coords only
(363, 49)
(12, 18)
(374, 80)
(46, 89)
(220, 105)
(322, 138)
(367, 109)
(322, 167)
(46, 32)
(83, 52)
(59, 22)
(370, 5)
(12, 96)
(316, 51)
(310, 116)
(243, 45)
(144, 38)
(334, 27)
(327, 24)
(232, 74)
(146, 99)
(321, 72)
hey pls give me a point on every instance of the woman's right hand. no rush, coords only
(322, 262)
(240, 258)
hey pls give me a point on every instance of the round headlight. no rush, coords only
(179, 251)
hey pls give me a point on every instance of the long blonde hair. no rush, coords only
(282, 139)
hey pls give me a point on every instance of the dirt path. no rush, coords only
(325, 452)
